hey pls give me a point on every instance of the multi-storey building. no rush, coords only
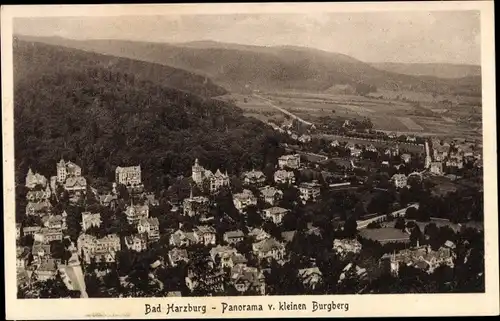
(215, 180)
(253, 177)
(67, 169)
(284, 177)
(90, 220)
(102, 250)
(34, 179)
(128, 176)
(244, 199)
(309, 191)
(289, 161)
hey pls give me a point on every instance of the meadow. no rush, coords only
(387, 111)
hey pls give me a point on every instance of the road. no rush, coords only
(398, 213)
(270, 103)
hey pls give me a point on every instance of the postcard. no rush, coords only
(249, 160)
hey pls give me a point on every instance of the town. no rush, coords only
(340, 215)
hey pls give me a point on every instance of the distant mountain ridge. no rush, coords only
(238, 67)
(440, 70)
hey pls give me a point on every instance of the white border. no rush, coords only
(360, 305)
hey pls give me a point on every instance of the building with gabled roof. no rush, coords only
(270, 194)
(233, 237)
(35, 179)
(275, 214)
(253, 177)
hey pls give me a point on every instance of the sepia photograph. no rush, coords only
(242, 162)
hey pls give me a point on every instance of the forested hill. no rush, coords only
(50, 59)
(239, 67)
(87, 110)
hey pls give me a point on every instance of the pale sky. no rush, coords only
(446, 37)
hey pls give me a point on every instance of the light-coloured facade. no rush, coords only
(309, 191)
(244, 199)
(128, 176)
(275, 214)
(284, 177)
(289, 161)
(90, 220)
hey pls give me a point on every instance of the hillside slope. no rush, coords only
(84, 109)
(270, 68)
(439, 70)
(49, 58)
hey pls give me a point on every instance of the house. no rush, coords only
(128, 176)
(269, 248)
(253, 177)
(40, 252)
(399, 180)
(289, 161)
(275, 214)
(195, 206)
(344, 246)
(385, 163)
(436, 168)
(213, 280)
(411, 139)
(233, 237)
(284, 177)
(440, 151)
(39, 195)
(270, 194)
(335, 143)
(294, 136)
(371, 148)
(137, 242)
(102, 250)
(35, 179)
(176, 255)
(75, 185)
(244, 199)
(22, 257)
(422, 257)
(31, 230)
(304, 138)
(38, 208)
(45, 270)
(222, 250)
(406, 158)
(206, 234)
(354, 151)
(90, 220)
(216, 180)
(109, 200)
(47, 235)
(456, 162)
(288, 236)
(135, 213)
(67, 169)
(259, 234)
(351, 271)
(54, 221)
(245, 279)
(310, 277)
(180, 238)
(309, 191)
(151, 200)
(150, 226)
(392, 135)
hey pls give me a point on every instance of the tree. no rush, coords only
(400, 223)
(350, 227)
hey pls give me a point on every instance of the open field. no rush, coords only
(391, 115)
